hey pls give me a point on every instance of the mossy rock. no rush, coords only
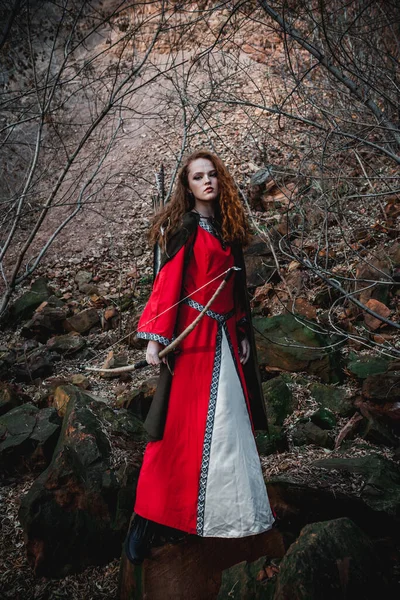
(331, 560)
(291, 344)
(324, 418)
(275, 440)
(25, 306)
(364, 366)
(77, 511)
(304, 434)
(332, 398)
(279, 400)
(242, 581)
(381, 490)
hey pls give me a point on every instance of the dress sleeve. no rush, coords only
(158, 318)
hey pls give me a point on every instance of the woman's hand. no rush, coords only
(153, 350)
(244, 351)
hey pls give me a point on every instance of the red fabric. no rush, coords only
(169, 479)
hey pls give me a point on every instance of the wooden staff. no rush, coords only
(171, 347)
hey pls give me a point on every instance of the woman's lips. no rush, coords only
(209, 189)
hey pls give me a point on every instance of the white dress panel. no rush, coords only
(236, 500)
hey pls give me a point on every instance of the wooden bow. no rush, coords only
(175, 343)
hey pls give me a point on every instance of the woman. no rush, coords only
(202, 475)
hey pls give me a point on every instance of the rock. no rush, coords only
(369, 494)
(365, 366)
(37, 364)
(331, 560)
(381, 489)
(349, 430)
(138, 400)
(373, 270)
(309, 433)
(258, 261)
(374, 431)
(82, 278)
(388, 411)
(77, 511)
(66, 344)
(275, 440)
(286, 343)
(394, 254)
(9, 398)
(62, 395)
(7, 360)
(123, 422)
(82, 321)
(259, 182)
(279, 400)
(243, 581)
(89, 289)
(193, 569)
(114, 361)
(324, 418)
(24, 306)
(80, 381)
(262, 176)
(385, 387)
(46, 321)
(302, 307)
(332, 398)
(382, 310)
(110, 318)
(28, 437)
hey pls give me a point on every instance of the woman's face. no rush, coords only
(202, 179)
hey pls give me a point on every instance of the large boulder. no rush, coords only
(365, 488)
(28, 437)
(77, 511)
(193, 569)
(286, 343)
(331, 560)
(381, 481)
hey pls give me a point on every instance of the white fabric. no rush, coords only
(236, 503)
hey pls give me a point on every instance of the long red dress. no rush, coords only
(204, 477)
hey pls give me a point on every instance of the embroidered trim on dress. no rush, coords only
(221, 318)
(206, 225)
(205, 461)
(154, 337)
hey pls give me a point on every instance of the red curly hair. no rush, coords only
(229, 211)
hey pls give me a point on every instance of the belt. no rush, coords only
(221, 318)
